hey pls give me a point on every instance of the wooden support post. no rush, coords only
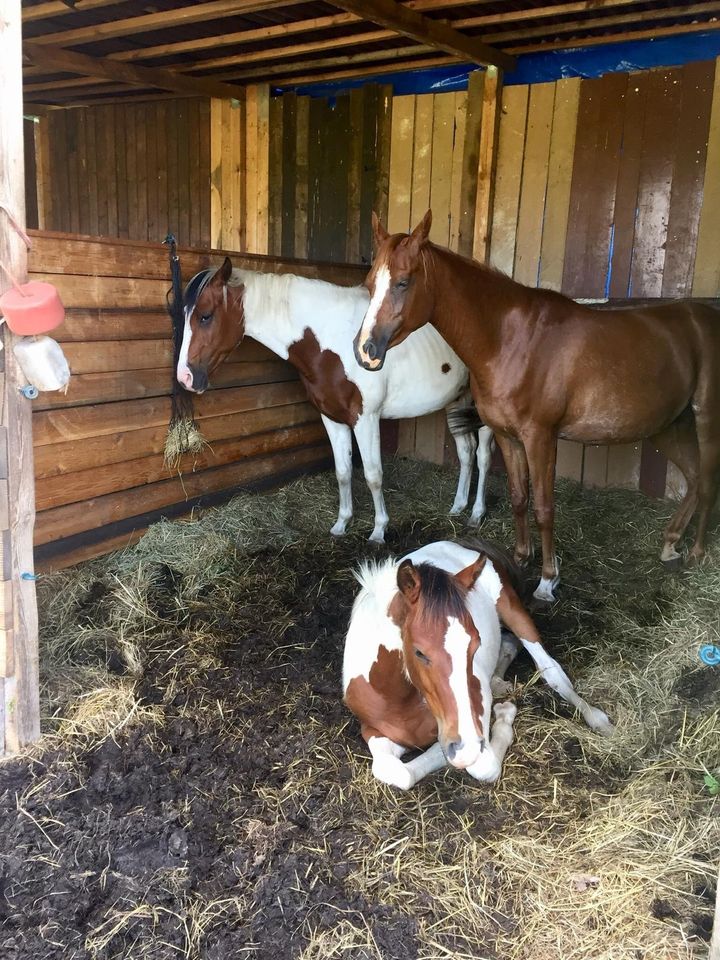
(19, 685)
(489, 127)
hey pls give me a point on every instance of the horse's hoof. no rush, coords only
(673, 564)
(544, 590)
(476, 520)
(377, 538)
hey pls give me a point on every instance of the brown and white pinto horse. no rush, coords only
(311, 324)
(543, 367)
(424, 656)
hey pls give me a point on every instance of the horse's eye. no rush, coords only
(402, 284)
(205, 319)
(421, 656)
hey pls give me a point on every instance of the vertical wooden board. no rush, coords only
(226, 168)
(58, 164)
(275, 176)
(118, 119)
(569, 460)
(91, 172)
(252, 161)
(402, 134)
(238, 115)
(183, 161)
(627, 186)
(430, 437)
(406, 438)
(443, 126)
(171, 148)
(595, 460)
(382, 174)
(653, 470)
(534, 183)
(422, 159)
(131, 125)
(511, 146)
(111, 181)
(468, 148)
(102, 173)
(43, 158)
(706, 277)
(205, 169)
(195, 188)
(557, 198)
(487, 163)
(216, 172)
(263, 147)
(371, 99)
(302, 149)
(623, 466)
(316, 122)
(289, 173)
(656, 173)
(141, 168)
(73, 220)
(162, 173)
(82, 171)
(333, 181)
(31, 176)
(456, 169)
(154, 231)
(354, 175)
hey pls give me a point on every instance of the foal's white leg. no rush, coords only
(389, 768)
(508, 651)
(556, 678)
(489, 766)
(367, 434)
(484, 454)
(340, 438)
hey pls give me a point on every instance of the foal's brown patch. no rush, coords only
(324, 377)
(446, 368)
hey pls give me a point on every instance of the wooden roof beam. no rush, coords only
(69, 62)
(434, 33)
(58, 8)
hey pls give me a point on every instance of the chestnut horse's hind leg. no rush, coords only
(541, 451)
(341, 442)
(679, 443)
(518, 482)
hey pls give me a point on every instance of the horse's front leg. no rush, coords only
(518, 482)
(489, 766)
(541, 452)
(367, 434)
(340, 438)
(390, 769)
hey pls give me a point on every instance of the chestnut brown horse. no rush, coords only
(543, 367)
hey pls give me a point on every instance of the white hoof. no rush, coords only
(598, 721)
(545, 589)
(501, 688)
(669, 553)
(339, 529)
(457, 508)
(505, 712)
(393, 772)
(377, 536)
(476, 519)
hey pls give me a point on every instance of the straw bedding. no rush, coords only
(201, 791)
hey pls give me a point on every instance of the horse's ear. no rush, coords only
(469, 575)
(408, 581)
(225, 272)
(422, 230)
(379, 231)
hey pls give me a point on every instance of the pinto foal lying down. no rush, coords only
(424, 654)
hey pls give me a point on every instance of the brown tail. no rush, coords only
(500, 558)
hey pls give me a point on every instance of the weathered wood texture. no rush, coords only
(609, 188)
(99, 471)
(19, 682)
(132, 171)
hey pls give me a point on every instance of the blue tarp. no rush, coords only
(591, 61)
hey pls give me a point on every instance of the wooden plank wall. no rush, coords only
(100, 476)
(132, 171)
(610, 187)
(329, 164)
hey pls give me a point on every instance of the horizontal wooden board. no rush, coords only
(113, 355)
(98, 481)
(70, 456)
(83, 325)
(89, 514)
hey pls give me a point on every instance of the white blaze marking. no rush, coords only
(182, 367)
(457, 642)
(382, 285)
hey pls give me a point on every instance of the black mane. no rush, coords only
(442, 595)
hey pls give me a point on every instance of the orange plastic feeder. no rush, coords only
(32, 308)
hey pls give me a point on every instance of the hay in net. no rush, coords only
(232, 623)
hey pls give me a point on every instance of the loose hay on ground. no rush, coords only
(201, 792)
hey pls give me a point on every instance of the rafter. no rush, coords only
(70, 62)
(435, 33)
(58, 8)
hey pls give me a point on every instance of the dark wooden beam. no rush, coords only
(67, 61)
(434, 33)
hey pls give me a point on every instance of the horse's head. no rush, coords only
(214, 325)
(400, 296)
(439, 643)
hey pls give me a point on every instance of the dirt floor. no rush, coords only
(201, 792)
